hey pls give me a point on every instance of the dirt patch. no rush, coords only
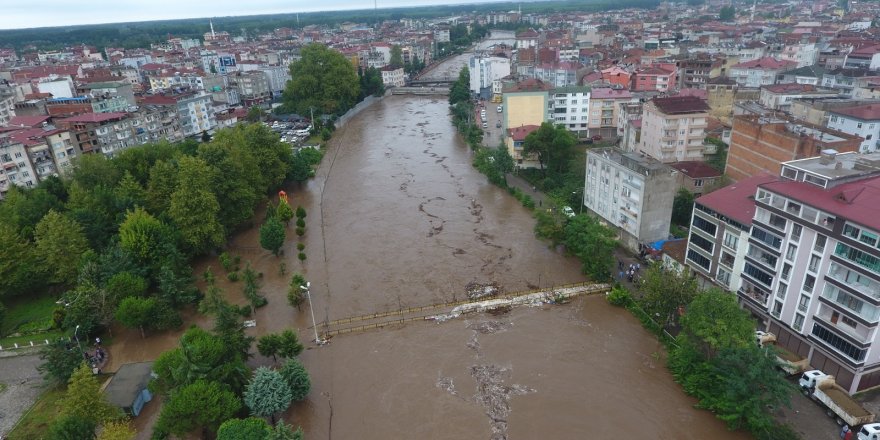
(476, 290)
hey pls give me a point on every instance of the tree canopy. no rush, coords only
(551, 145)
(322, 79)
(267, 393)
(201, 405)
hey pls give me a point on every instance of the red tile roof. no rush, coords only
(609, 93)
(681, 104)
(790, 87)
(766, 63)
(858, 201)
(94, 117)
(27, 121)
(868, 112)
(520, 133)
(736, 201)
(696, 169)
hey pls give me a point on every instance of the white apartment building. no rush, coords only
(278, 76)
(571, 107)
(484, 71)
(631, 192)
(392, 77)
(15, 166)
(812, 268)
(862, 121)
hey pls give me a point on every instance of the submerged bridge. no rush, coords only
(425, 90)
(452, 310)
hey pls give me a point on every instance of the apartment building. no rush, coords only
(862, 121)
(760, 144)
(109, 133)
(525, 103)
(253, 88)
(195, 112)
(719, 233)
(844, 80)
(661, 77)
(673, 128)
(514, 140)
(781, 96)
(484, 70)
(631, 192)
(571, 107)
(812, 268)
(605, 108)
(392, 77)
(760, 72)
(15, 166)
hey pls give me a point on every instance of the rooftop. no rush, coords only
(127, 383)
(766, 63)
(94, 117)
(870, 112)
(528, 85)
(674, 105)
(27, 121)
(857, 201)
(519, 133)
(695, 169)
(833, 165)
(609, 93)
(736, 201)
(639, 163)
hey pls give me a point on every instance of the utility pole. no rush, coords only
(307, 288)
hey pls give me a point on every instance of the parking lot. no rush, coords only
(493, 130)
(293, 133)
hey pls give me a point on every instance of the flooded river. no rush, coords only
(397, 218)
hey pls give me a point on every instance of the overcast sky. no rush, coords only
(25, 14)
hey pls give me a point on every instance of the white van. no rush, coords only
(500, 108)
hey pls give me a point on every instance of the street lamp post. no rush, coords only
(312, 311)
(580, 202)
(81, 352)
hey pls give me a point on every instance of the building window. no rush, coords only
(702, 243)
(791, 252)
(798, 323)
(809, 283)
(758, 274)
(863, 259)
(704, 225)
(820, 243)
(786, 271)
(727, 259)
(849, 321)
(730, 240)
(723, 277)
(781, 290)
(814, 263)
(838, 343)
(699, 259)
(698, 183)
(796, 230)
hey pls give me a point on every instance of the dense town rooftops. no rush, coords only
(736, 201)
(93, 118)
(766, 63)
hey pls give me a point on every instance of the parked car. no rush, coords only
(567, 211)
(597, 137)
(500, 108)
(485, 125)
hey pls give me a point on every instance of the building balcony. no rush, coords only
(753, 295)
(854, 280)
(828, 315)
(835, 296)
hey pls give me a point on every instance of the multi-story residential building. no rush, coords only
(58, 87)
(811, 75)
(571, 107)
(719, 232)
(392, 77)
(802, 53)
(109, 133)
(195, 112)
(484, 70)
(616, 75)
(7, 109)
(760, 72)
(604, 108)
(780, 96)
(696, 177)
(441, 35)
(15, 166)
(278, 76)
(844, 80)
(759, 145)
(525, 103)
(673, 128)
(631, 192)
(815, 110)
(865, 57)
(190, 80)
(514, 140)
(559, 74)
(695, 72)
(812, 271)
(659, 77)
(253, 87)
(862, 121)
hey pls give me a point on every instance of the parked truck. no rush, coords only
(837, 402)
(787, 361)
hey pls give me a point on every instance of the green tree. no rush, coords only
(714, 318)
(295, 295)
(727, 13)
(125, 284)
(664, 291)
(593, 244)
(22, 209)
(255, 114)
(200, 356)
(194, 207)
(119, 430)
(60, 243)
(460, 90)
(396, 57)
(250, 428)
(84, 399)
(267, 393)
(272, 235)
(289, 347)
(683, 207)
(202, 405)
(297, 378)
(323, 79)
(269, 344)
(135, 312)
(371, 83)
(21, 268)
(162, 182)
(72, 428)
(59, 359)
(282, 431)
(284, 212)
(552, 146)
(129, 193)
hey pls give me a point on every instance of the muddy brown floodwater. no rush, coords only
(399, 218)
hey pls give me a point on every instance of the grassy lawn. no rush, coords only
(35, 423)
(39, 339)
(25, 315)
